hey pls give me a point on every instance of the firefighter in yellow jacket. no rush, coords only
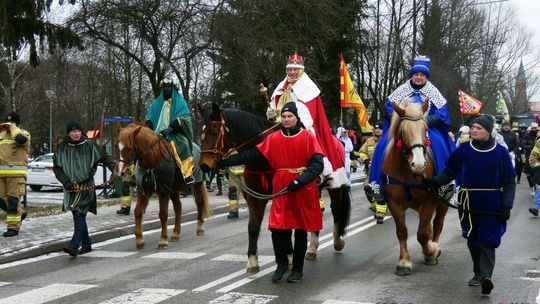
(366, 153)
(128, 182)
(234, 191)
(14, 150)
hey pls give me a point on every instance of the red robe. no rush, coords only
(294, 210)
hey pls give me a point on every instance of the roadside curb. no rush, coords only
(98, 236)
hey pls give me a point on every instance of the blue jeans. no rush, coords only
(80, 233)
(536, 201)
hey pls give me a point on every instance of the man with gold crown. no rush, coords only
(438, 120)
(169, 116)
(299, 88)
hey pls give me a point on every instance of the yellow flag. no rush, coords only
(349, 97)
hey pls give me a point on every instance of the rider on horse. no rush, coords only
(298, 87)
(169, 116)
(438, 120)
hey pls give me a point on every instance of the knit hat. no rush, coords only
(485, 121)
(290, 107)
(73, 125)
(420, 65)
(14, 117)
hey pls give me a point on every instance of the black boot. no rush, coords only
(10, 233)
(280, 271)
(70, 250)
(84, 250)
(124, 211)
(232, 215)
(295, 277)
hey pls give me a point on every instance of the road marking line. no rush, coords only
(4, 283)
(237, 297)
(145, 296)
(107, 254)
(344, 302)
(268, 270)
(175, 255)
(240, 258)
(46, 294)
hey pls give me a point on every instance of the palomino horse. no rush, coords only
(157, 172)
(407, 160)
(239, 130)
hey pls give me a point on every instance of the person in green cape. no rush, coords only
(75, 162)
(169, 116)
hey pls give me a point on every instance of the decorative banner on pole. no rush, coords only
(501, 107)
(349, 97)
(469, 104)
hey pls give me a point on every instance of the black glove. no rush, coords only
(166, 131)
(433, 121)
(69, 186)
(430, 184)
(505, 214)
(294, 186)
(366, 163)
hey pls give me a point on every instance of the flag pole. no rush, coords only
(341, 117)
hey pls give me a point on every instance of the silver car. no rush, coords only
(40, 173)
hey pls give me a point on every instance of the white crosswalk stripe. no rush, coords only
(46, 294)
(240, 258)
(243, 298)
(175, 255)
(4, 283)
(344, 302)
(107, 254)
(145, 296)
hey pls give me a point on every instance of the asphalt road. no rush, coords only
(210, 268)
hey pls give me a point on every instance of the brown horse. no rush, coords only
(407, 160)
(157, 172)
(238, 130)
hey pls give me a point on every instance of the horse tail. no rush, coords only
(341, 208)
(201, 198)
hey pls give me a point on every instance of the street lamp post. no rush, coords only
(50, 95)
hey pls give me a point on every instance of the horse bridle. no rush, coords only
(406, 150)
(220, 142)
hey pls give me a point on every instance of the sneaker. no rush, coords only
(533, 211)
(295, 277)
(487, 286)
(278, 274)
(84, 250)
(189, 180)
(10, 233)
(475, 281)
(70, 250)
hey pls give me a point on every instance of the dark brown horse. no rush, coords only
(407, 160)
(151, 152)
(226, 129)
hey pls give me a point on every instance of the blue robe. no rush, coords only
(474, 169)
(441, 143)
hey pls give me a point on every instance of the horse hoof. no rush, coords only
(200, 232)
(310, 256)
(432, 260)
(140, 245)
(163, 246)
(175, 238)
(339, 245)
(252, 270)
(403, 271)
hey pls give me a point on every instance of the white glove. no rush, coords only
(271, 113)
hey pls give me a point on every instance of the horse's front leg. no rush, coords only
(256, 212)
(163, 218)
(311, 254)
(142, 202)
(430, 249)
(404, 265)
(438, 220)
(177, 205)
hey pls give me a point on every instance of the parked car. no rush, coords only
(40, 173)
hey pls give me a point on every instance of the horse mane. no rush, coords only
(137, 134)
(245, 125)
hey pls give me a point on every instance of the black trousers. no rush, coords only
(483, 260)
(281, 239)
